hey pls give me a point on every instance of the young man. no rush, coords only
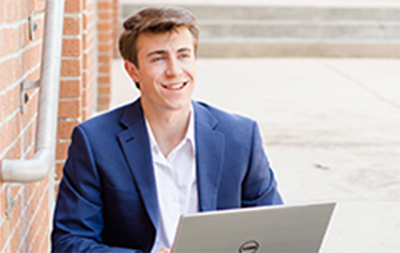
(131, 173)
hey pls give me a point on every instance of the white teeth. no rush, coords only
(175, 86)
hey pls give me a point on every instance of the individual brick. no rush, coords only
(72, 25)
(69, 108)
(70, 88)
(72, 47)
(71, 67)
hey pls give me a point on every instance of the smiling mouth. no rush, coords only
(175, 86)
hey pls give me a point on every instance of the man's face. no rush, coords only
(166, 69)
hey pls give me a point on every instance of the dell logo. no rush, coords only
(249, 247)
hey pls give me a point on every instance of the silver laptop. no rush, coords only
(283, 228)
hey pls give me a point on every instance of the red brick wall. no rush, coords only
(105, 52)
(89, 70)
(70, 103)
(116, 27)
(84, 75)
(26, 227)
(81, 93)
(72, 109)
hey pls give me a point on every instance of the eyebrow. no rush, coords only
(161, 51)
(185, 49)
(157, 52)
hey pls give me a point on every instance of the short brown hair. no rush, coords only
(155, 20)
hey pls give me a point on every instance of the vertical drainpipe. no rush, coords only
(38, 167)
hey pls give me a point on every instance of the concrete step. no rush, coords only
(306, 13)
(231, 29)
(295, 31)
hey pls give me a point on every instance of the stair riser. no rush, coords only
(306, 31)
(299, 13)
(295, 31)
(254, 50)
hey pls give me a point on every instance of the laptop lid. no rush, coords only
(282, 228)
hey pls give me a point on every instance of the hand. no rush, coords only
(164, 250)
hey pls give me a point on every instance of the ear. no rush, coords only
(132, 70)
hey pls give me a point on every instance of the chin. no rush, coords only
(179, 106)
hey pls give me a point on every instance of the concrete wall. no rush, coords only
(26, 209)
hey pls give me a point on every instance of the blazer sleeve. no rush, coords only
(78, 220)
(259, 186)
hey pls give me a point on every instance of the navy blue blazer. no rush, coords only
(107, 200)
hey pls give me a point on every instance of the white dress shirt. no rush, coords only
(176, 184)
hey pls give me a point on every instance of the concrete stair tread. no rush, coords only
(296, 40)
(322, 3)
(315, 28)
(298, 49)
(294, 12)
(297, 22)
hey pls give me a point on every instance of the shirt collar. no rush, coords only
(190, 131)
(188, 137)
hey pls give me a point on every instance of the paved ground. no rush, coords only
(331, 129)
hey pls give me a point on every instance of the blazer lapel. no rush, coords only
(210, 145)
(209, 155)
(135, 145)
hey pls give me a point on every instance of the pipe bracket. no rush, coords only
(32, 25)
(24, 97)
(10, 200)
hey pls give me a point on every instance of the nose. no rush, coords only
(173, 67)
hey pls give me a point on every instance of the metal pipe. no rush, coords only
(37, 168)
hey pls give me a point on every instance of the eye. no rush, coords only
(184, 55)
(157, 58)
